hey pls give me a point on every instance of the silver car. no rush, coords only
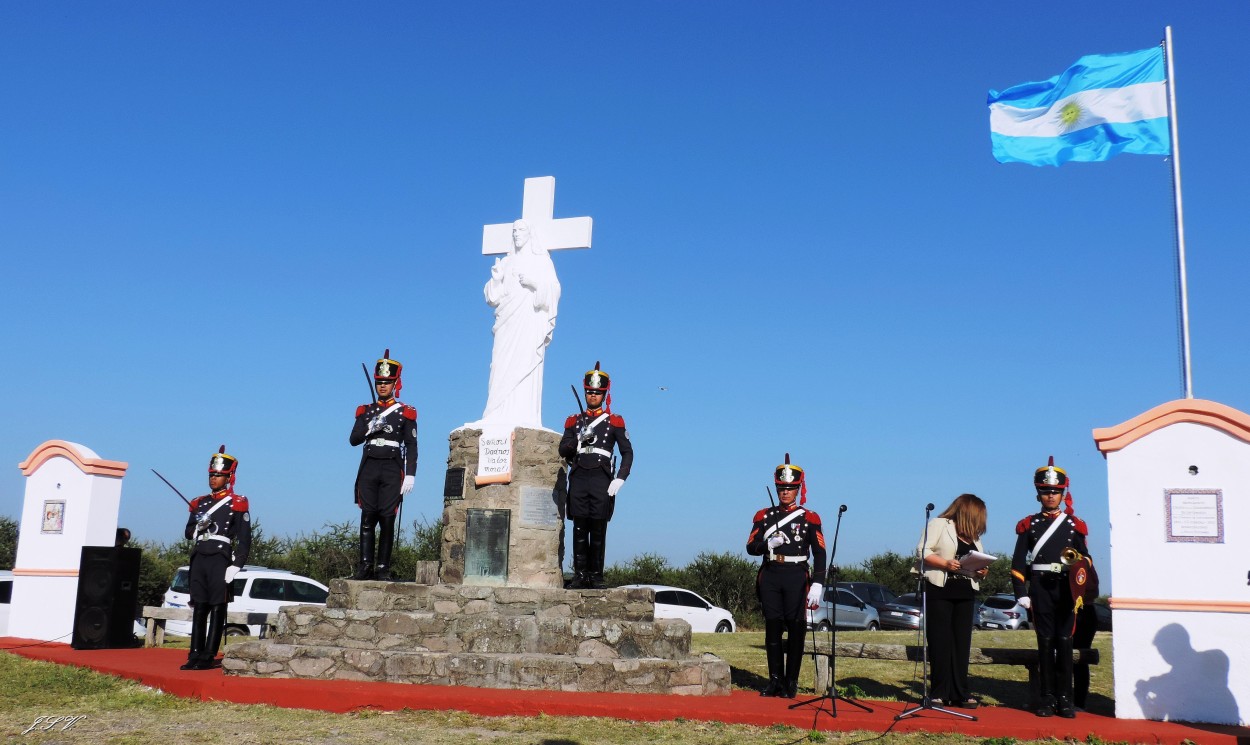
(1002, 612)
(849, 612)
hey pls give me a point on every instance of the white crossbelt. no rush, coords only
(1055, 567)
(382, 443)
(778, 526)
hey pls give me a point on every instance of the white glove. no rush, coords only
(230, 572)
(777, 539)
(202, 524)
(815, 595)
(374, 426)
(615, 486)
(1025, 602)
(586, 436)
(406, 487)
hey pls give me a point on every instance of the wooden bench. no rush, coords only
(908, 653)
(154, 619)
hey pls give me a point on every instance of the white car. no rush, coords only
(256, 590)
(703, 617)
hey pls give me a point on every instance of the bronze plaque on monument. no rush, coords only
(486, 547)
(453, 485)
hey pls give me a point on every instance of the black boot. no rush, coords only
(581, 555)
(364, 569)
(1063, 679)
(216, 627)
(776, 659)
(796, 633)
(199, 635)
(598, 542)
(386, 541)
(1045, 678)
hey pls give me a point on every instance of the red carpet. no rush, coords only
(158, 668)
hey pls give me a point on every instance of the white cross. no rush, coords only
(538, 209)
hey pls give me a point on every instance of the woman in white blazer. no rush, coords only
(951, 597)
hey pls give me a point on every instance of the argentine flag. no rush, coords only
(1104, 105)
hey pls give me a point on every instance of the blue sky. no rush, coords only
(211, 215)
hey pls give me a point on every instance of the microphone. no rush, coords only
(928, 507)
(842, 509)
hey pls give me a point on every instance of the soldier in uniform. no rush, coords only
(388, 467)
(787, 583)
(220, 528)
(587, 444)
(1044, 545)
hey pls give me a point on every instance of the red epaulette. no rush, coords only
(361, 409)
(616, 421)
(1080, 525)
(194, 503)
(238, 503)
(572, 420)
(1023, 525)
(761, 514)
(812, 518)
(409, 412)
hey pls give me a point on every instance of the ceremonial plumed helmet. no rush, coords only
(596, 379)
(387, 370)
(787, 475)
(1050, 477)
(222, 463)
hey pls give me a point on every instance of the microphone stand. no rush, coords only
(831, 695)
(926, 702)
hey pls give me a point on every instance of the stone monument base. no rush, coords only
(487, 637)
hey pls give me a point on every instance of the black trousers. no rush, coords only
(948, 627)
(377, 485)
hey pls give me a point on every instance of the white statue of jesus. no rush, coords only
(524, 291)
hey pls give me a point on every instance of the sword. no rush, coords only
(171, 486)
(771, 501)
(369, 382)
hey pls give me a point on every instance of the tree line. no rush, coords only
(726, 579)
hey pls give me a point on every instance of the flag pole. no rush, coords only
(1186, 373)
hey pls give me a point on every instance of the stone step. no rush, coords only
(484, 633)
(635, 604)
(700, 676)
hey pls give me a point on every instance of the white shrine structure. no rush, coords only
(72, 500)
(1178, 480)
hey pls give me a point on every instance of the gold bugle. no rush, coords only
(1070, 556)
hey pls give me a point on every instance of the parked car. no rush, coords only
(878, 596)
(1103, 613)
(256, 590)
(6, 597)
(1002, 612)
(849, 612)
(904, 613)
(703, 617)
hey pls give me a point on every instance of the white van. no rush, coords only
(256, 590)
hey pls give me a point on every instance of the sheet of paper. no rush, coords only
(974, 561)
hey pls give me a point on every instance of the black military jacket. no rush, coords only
(397, 438)
(229, 530)
(805, 534)
(608, 431)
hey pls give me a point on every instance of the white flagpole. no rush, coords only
(1180, 215)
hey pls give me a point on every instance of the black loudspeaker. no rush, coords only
(108, 594)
